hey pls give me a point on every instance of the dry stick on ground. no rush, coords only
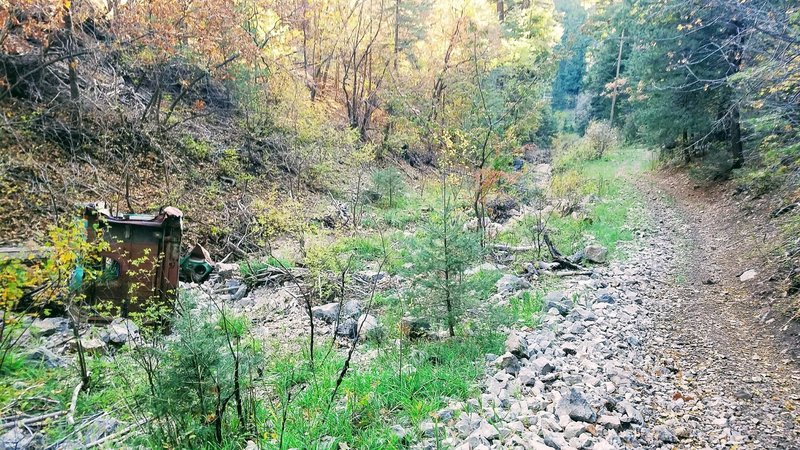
(554, 253)
(32, 420)
(306, 298)
(557, 256)
(74, 403)
(118, 435)
(359, 326)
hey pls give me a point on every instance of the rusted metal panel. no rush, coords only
(141, 266)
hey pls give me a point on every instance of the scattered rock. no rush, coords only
(227, 270)
(610, 422)
(99, 428)
(347, 328)
(486, 431)
(748, 275)
(543, 366)
(49, 326)
(369, 327)
(351, 309)
(511, 283)
(632, 415)
(370, 276)
(605, 298)
(328, 312)
(516, 345)
(91, 346)
(122, 330)
(665, 435)
(21, 439)
(414, 327)
(596, 253)
(576, 407)
(237, 289)
(508, 362)
(559, 301)
(46, 357)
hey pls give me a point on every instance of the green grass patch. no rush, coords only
(251, 268)
(526, 308)
(403, 385)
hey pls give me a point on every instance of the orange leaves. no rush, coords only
(206, 32)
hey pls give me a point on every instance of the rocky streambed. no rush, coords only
(604, 371)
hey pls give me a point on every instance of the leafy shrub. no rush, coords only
(229, 164)
(273, 218)
(197, 149)
(714, 166)
(601, 137)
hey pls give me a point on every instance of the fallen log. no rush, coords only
(31, 420)
(557, 256)
(572, 273)
(513, 249)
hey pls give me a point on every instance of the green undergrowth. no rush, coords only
(38, 390)
(607, 220)
(250, 268)
(403, 385)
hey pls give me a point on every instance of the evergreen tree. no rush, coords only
(572, 50)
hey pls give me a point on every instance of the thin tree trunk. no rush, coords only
(736, 147)
(616, 77)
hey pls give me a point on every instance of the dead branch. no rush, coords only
(74, 403)
(118, 435)
(32, 420)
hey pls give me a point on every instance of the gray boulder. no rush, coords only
(46, 357)
(516, 345)
(575, 406)
(369, 276)
(559, 301)
(596, 253)
(122, 330)
(414, 327)
(100, 428)
(508, 362)
(351, 309)
(91, 346)
(511, 283)
(236, 289)
(49, 326)
(21, 439)
(347, 328)
(328, 312)
(369, 327)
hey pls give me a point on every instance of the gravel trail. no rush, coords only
(666, 349)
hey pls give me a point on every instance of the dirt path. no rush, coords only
(727, 338)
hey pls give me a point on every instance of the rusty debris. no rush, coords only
(141, 266)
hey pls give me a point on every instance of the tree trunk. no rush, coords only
(735, 132)
(396, 32)
(616, 78)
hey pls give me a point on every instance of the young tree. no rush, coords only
(445, 252)
(389, 184)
